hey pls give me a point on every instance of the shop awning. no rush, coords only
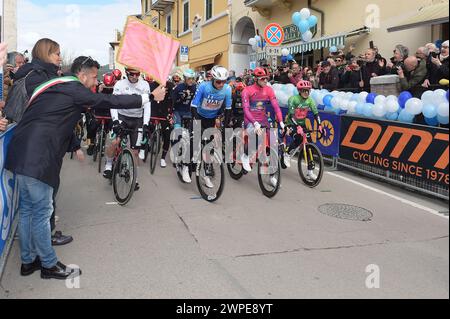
(209, 59)
(324, 42)
(429, 15)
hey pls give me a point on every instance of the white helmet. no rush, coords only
(219, 73)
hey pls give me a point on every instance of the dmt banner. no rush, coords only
(8, 198)
(412, 150)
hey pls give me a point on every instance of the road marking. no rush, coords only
(405, 201)
(112, 203)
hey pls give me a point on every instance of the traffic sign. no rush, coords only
(274, 62)
(274, 34)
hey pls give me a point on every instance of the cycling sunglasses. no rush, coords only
(220, 82)
(305, 91)
(265, 78)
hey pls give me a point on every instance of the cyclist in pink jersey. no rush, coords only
(256, 100)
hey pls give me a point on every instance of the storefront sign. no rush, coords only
(184, 53)
(292, 33)
(410, 150)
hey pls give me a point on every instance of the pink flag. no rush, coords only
(149, 50)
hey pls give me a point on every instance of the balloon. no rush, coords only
(442, 109)
(392, 116)
(432, 121)
(327, 100)
(252, 41)
(378, 110)
(371, 98)
(352, 106)
(296, 18)
(333, 49)
(403, 98)
(336, 102)
(285, 52)
(429, 111)
(284, 59)
(305, 13)
(428, 98)
(355, 97)
(368, 110)
(290, 57)
(345, 105)
(406, 117)
(363, 97)
(443, 119)
(303, 26)
(320, 99)
(414, 106)
(329, 109)
(257, 38)
(392, 105)
(360, 108)
(307, 36)
(380, 99)
(440, 97)
(312, 20)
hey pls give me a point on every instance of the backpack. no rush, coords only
(18, 101)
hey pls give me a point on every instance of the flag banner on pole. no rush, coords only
(147, 49)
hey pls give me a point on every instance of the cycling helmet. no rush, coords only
(118, 74)
(109, 79)
(189, 74)
(260, 72)
(304, 85)
(219, 73)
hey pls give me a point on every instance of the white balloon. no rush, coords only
(443, 109)
(363, 97)
(305, 13)
(380, 99)
(285, 52)
(345, 105)
(252, 41)
(257, 38)
(336, 102)
(392, 105)
(414, 106)
(378, 110)
(307, 36)
(428, 97)
(349, 95)
(334, 93)
(320, 98)
(352, 107)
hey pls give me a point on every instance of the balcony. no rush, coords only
(264, 7)
(162, 5)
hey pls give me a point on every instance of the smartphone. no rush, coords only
(371, 44)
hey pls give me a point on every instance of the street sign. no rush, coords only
(274, 34)
(184, 53)
(276, 51)
(274, 62)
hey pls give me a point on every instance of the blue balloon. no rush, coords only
(368, 110)
(371, 98)
(360, 108)
(333, 49)
(296, 18)
(355, 97)
(312, 20)
(284, 59)
(443, 119)
(290, 57)
(392, 116)
(405, 116)
(329, 109)
(403, 98)
(432, 121)
(303, 26)
(429, 111)
(327, 100)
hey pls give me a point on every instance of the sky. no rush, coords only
(81, 27)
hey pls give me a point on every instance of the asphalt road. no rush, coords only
(168, 243)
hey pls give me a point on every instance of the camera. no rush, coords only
(434, 54)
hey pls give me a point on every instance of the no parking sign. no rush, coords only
(274, 34)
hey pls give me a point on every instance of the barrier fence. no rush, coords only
(8, 200)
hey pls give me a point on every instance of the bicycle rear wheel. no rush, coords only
(269, 174)
(311, 172)
(124, 177)
(154, 150)
(215, 174)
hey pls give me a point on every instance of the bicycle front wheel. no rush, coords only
(269, 174)
(154, 150)
(210, 177)
(311, 168)
(124, 177)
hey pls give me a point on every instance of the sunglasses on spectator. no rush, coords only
(134, 73)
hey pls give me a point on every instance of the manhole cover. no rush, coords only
(344, 211)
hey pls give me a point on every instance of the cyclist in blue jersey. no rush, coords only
(212, 99)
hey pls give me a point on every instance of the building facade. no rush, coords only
(202, 27)
(9, 23)
(340, 22)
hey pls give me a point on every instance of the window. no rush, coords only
(209, 9)
(185, 16)
(169, 24)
